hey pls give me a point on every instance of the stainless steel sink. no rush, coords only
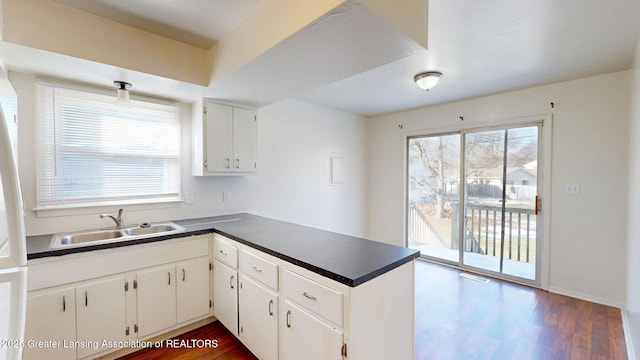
(152, 229)
(92, 237)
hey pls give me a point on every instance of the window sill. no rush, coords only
(98, 207)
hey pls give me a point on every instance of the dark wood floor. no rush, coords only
(458, 318)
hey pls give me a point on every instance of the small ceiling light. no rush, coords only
(427, 80)
(123, 91)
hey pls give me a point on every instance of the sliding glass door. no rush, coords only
(434, 188)
(472, 199)
(501, 177)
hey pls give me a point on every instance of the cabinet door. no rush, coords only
(218, 141)
(156, 300)
(225, 296)
(304, 336)
(258, 313)
(51, 318)
(244, 140)
(100, 314)
(192, 289)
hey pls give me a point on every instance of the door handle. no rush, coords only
(270, 310)
(288, 318)
(231, 281)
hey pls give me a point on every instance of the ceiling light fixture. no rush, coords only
(427, 80)
(123, 91)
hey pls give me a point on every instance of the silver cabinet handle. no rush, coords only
(237, 163)
(184, 275)
(289, 318)
(86, 299)
(64, 303)
(270, 304)
(223, 253)
(169, 275)
(257, 269)
(228, 162)
(309, 296)
(231, 281)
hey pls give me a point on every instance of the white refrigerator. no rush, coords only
(13, 257)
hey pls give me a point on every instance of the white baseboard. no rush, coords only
(587, 297)
(628, 339)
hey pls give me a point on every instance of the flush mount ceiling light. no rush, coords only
(123, 91)
(427, 80)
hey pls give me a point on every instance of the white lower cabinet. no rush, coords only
(172, 294)
(192, 289)
(76, 321)
(225, 295)
(146, 291)
(51, 319)
(100, 314)
(305, 336)
(288, 312)
(258, 313)
(156, 303)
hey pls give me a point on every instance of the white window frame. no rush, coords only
(45, 202)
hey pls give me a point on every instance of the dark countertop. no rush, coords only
(346, 259)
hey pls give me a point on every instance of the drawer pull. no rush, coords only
(309, 296)
(270, 304)
(86, 299)
(64, 303)
(257, 269)
(289, 318)
(169, 274)
(184, 275)
(231, 281)
(224, 253)
(228, 162)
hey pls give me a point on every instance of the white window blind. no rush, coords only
(92, 151)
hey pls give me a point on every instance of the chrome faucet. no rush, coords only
(118, 219)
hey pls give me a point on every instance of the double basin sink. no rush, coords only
(95, 237)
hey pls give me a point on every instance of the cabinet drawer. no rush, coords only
(259, 268)
(318, 298)
(224, 251)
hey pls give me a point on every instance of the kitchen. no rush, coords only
(292, 181)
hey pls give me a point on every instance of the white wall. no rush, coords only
(590, 147)
(633, 241)
(294, 139)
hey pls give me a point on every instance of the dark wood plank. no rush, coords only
(458, 318)
(229, 348)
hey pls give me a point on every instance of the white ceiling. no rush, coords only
(481, 46)
(200, 23)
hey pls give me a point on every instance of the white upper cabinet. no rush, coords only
(228, 144)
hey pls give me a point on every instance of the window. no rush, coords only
(94, 152)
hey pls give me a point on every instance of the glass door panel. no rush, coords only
(433, 196)
(499, 224)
